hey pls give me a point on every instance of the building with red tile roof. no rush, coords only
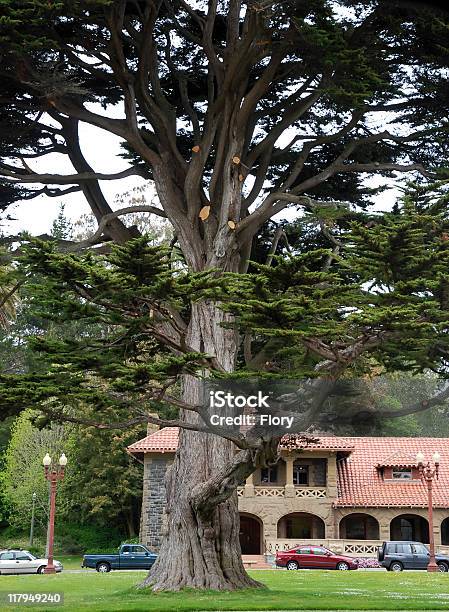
(349, 493)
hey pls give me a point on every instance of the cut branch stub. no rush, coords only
(231, 224)
(204, 213)
(196, 149)
(236, 159)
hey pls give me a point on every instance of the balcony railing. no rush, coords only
(310, 492)
(354, 548)
(273, 491)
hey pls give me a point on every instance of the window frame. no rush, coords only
(273, 469)
(297, 470)
(401, 470)
(24, 554)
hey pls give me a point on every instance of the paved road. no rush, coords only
(271, 569)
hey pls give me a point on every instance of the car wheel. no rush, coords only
(396, 566)
(292, 565)
(443, 567)
(40, 570)
(342, 566)
(103, 567)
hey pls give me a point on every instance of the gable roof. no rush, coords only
(162, 441)
(166, 441)
(359, 477)
(360, 481)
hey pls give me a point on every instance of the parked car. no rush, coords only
(130, 556)
(23, 562)
(314, 557)
(397, 556)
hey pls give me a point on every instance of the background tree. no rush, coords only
(237, 110)
(22, 475)
(380, 305)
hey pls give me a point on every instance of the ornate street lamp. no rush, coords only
(428, 474)
(53, 473)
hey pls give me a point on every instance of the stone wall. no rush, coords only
(154, 499)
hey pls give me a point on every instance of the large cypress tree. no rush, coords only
(236, 110)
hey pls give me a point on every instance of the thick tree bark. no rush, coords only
(201, 548)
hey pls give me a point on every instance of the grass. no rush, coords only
(303, 590)
(70, 561)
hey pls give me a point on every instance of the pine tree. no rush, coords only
(236, 110)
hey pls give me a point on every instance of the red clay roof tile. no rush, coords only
(360, 482)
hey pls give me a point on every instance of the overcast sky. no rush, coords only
(101, 150)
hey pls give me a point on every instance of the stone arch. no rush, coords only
(301, 525)
(409, 527)
(445, 531)
(359, 526)
(251, 534)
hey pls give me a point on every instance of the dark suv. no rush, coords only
(397, 556)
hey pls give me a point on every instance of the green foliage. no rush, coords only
(351, 57)
(111, 506)
(100, 457)
(23, 472)
(73, 538)
(118, 353)
(70, 538)
(385, 295)
(61, 227)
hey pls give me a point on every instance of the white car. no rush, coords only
(23, 562)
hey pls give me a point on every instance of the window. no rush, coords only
(319, 551)
(7, 556)
(138, 550)
(304, 551)
(269, 475)
(403, 549)
(402, 473)
(300, 474)
(126, 550)
(419, 549)
(21, 556)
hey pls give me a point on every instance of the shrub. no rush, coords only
(368, 562)
(69, 538)
(80, 539)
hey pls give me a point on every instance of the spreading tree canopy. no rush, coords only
(237, 110)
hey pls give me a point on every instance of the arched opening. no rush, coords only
(301, 525)
(359, 526)
(409, 527)
(250, 534)
(445, 531)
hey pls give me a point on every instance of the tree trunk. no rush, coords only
(129, 519)
(201, 548)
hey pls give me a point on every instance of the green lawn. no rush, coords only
(312, 590)
(70, 561)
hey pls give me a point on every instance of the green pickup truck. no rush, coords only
(130, 556)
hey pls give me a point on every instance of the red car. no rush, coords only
(314, 557)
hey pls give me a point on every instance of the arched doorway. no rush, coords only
(445, 531)
(250, 534)
(409, 527)
(359, 526)
(301, 525)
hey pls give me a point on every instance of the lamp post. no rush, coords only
(428, 474)
(53, 473)
(33, 497)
